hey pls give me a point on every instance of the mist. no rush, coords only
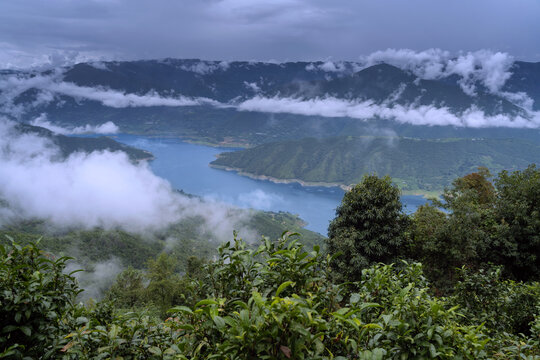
(106, 128)
(408, 114)
(101, 189)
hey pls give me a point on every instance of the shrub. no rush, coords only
(36, 301)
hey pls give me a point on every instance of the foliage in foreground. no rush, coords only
(275, 302)
(36, 301)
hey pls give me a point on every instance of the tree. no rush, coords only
(472, 189)
(368, 227)
(518, 209)
(128, 288)
(163, 289)
(463, 236)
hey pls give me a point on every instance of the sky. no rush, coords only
(58, 31)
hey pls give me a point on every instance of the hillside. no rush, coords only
(72, 144)
(415, 165)
(183, 239)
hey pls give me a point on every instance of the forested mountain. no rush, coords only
(416, 165)
(247, 103)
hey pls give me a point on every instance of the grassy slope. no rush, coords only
(415, 165)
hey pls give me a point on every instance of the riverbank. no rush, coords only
(280, 181)
(424, 193)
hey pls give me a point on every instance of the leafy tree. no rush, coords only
(518, 209)
(128, 289)
(472, 189)
(463, 235)
(195, 267)
(368, 227)
(163, 289)
(277, 302)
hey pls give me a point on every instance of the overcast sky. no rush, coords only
(282, 30)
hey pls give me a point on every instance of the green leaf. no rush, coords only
(9, 328)
(182, 309)
(206, 302)
(433, 352)
(26, 330)
(219, 321)
(283, 287)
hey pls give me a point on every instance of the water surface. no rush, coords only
(186, 167)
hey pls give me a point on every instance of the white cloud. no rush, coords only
(206, 67)
(103, 189)
(491, 69)
(411, 114)
(106, 128)
(340, 67)
(13, 56)
(252, 86)
(118, 99)
(259, 199)
(96, 278)
(50, 86)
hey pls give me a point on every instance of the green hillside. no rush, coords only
(72, 144)
(415, 165)
(182, 239)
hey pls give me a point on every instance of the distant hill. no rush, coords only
(222, 86)
(415, 165)
(182, 240)
(71, 144)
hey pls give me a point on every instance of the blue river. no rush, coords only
(186, 167)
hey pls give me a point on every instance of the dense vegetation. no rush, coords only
(182, 240)
(414, 164)
(274, 302)
(476, 296)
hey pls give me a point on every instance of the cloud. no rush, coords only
(411, 114)
(258, 199)
(50, 86)
(334, 67)
(101, 189)
(206, 67)
(106, 128)
(96, 278)
(491, 69)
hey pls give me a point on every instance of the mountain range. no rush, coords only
(249, 103)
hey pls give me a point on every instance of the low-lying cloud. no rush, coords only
(106, 128)
(409, 114)
(96, 278)
(50, 86)
(491, 69)
(101, 189)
